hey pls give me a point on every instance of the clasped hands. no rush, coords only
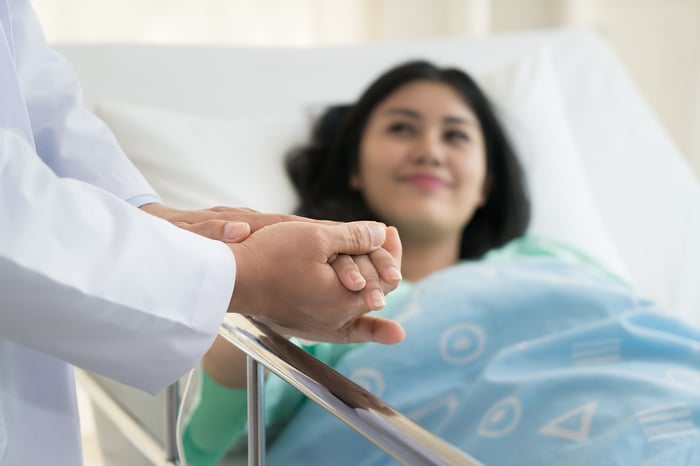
(312, 279)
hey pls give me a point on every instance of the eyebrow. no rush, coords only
(416, 115)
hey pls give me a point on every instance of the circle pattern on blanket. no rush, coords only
(462, 344)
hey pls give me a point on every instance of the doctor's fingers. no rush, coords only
(222, 230)
(354, 238)
(229, 214)
(255, 219)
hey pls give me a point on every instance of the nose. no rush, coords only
(428, 149)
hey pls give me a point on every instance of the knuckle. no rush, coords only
(356, 235)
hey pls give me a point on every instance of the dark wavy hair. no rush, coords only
(320, 171)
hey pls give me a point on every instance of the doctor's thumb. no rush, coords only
(357, 237)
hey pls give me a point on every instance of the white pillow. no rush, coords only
(196, 162)
(526, 96)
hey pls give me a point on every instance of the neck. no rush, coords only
(421, 258)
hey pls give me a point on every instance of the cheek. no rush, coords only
(377, 156)
(472, 169)
(473, 178)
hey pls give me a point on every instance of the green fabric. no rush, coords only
(215, 423)
(537, 246)
(219, 418)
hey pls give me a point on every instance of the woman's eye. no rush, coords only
(457, 136)
(401, 128)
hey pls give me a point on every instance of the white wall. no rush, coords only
(657, 40)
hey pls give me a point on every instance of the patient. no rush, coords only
(519, 350)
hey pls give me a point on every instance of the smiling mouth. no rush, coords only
(426, 182)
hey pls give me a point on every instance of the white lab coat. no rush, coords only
(85, 277)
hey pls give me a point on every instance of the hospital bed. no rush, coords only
(210, 125)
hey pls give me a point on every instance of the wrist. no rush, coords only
(244, 289)
(225, 364)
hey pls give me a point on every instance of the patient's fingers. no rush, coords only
(387, 260)
(373, 292)
(393, 244)
(378, 273)
(373, 328)
(348, 272)
(362, 329)
(222, 230)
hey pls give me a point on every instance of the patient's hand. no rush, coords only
(286, 280)
(379, 271)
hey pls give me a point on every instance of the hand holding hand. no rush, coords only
(285, 279)
(373, 275)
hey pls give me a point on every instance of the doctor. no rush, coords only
(88, 279)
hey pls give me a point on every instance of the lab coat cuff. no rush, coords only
(143, 199)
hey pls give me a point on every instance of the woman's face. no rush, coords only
(422, 162)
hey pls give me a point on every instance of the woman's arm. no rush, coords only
(225, 364)
(219, 418)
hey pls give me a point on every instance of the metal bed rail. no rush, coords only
(383, 425)
(387, 428)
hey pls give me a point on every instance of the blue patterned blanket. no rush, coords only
(524, 362)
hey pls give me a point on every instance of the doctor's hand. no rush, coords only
(285, 279)
(227, 224)
(374, 275)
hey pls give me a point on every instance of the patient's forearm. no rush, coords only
(226, 364)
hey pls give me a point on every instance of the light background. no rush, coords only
(657, 40)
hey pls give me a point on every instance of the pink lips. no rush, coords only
(426, 182)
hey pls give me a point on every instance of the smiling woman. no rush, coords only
(422, 167)
(421, 149)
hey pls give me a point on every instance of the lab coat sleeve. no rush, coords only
(69, 138)
(92, 280)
